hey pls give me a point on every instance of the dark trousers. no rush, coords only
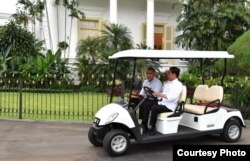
(134, 102)
(145, 110)
(155, 110)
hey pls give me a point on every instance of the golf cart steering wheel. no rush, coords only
(149, 93)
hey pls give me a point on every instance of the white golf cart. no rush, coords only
(116, 123)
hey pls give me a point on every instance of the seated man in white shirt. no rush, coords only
(170, 95)
(154, 83)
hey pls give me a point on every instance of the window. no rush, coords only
(88, 27)
(169, 37)
(163, 36)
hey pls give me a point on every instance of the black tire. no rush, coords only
(232, 131)
(93, 139)
(110, 142)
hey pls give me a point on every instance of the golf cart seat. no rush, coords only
(167, 122)
(180, 107)
(208, 100)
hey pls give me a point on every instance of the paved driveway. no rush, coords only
(60, 141)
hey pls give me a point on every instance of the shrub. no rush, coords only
(190, 80)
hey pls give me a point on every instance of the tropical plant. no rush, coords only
(96, 50)
(63, 45)
(4, 57)
(21, 18)
(93, 53)
(142, 46)
(51, 66)
(29, 11)
(117, 37)
(91, 60)
(89, 50)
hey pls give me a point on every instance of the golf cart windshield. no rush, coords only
(137, 61)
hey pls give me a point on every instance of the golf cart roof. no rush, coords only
(170, 54)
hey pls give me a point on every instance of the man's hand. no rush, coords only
(136, 94)
(155, 93)
(158, 94)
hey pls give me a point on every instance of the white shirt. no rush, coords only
(155, 84)
(172, 89)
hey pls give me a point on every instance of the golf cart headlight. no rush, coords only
(112, 117)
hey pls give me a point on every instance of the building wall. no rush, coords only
(6, 9)
(131, 13)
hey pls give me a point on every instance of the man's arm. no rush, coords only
(175, 93)
(142, 92)
(158, 94)
(135, 94)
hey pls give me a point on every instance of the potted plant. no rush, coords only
(63, 45)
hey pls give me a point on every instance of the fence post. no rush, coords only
(237, 96)
(122, 90)
(20, 98)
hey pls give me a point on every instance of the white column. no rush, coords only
(113, 11)
(150, 23)
(52, 24)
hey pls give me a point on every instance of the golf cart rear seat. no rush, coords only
(209, 100)
(167, 122)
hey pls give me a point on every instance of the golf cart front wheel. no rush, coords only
(116, 142)
(93, 139)
(231, 131)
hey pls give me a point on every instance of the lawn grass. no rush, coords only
(55, 106)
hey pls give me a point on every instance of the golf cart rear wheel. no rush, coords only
(93, 138)
(231, 131)
(116, 142)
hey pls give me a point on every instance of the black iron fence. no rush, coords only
(51, 100)
(63, 100)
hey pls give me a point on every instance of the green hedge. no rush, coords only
(236, 89)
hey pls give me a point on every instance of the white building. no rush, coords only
(150, 21)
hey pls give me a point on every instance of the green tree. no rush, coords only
(212, 24)
(241, 50)
(21, 41)
(22, 44)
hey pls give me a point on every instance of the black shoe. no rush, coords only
(152, 131)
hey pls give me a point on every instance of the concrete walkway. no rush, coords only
(60, 141)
